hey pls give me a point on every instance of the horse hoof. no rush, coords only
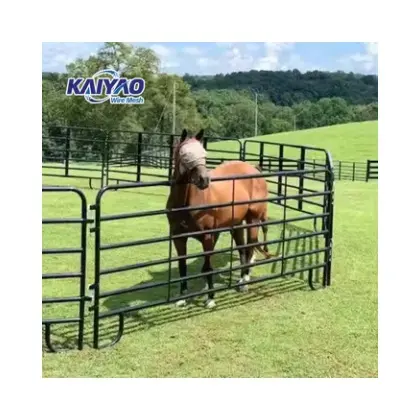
(181, 303)
(243, 287)
(210, 304)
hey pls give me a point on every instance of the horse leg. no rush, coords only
(208, 245)
(239, 238)
(215, 239)
(251, 239)
(181, 250)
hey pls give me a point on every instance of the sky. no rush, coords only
(215, 57)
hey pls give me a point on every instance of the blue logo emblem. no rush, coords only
(107, 85)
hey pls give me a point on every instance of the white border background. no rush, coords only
(393, 393)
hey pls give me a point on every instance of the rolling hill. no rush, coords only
(347, 142)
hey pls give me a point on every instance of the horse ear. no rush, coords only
(184, 135)
(199, 135)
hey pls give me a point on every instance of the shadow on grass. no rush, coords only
(140, 320)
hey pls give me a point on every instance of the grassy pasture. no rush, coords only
(279, 328)
(348, 142)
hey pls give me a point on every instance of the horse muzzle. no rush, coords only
(203, 182)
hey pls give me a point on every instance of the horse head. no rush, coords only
(190, 161)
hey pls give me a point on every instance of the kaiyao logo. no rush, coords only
(107, 85)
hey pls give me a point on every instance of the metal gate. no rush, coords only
(80, 274)
(313, 190)
(301, 221)
(300, 204)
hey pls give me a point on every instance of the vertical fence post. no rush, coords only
(339, 169)
(83, 258)
(95, 287)
(367, 170)
(301, 167)
(279, 180)
(139, 152)
(107, 158)
(327, 175)
(67, 152)
(171, 151)
(328, 225)
(105, 161)
(261, 162)
(354, 170)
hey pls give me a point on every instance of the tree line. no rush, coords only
(232, 113)
(286, 88)
(223, 105)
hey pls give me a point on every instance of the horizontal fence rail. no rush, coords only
(372, 170)
(300, 181)
(321, 253)
(81, 298)
(111, 157)
(343, 170)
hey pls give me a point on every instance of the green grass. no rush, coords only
(278, 329)
(350, 146)
(347, 142)
(354, 142)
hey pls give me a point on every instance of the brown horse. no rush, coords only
(192, 186)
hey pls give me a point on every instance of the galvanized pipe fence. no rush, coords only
(301, 186)
(108, 157)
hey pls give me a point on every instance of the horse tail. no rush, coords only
(264, 249)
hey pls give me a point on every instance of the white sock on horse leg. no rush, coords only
(181, 303)
(244, 287)
(210, 304)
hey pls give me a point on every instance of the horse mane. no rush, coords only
(175, 154)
